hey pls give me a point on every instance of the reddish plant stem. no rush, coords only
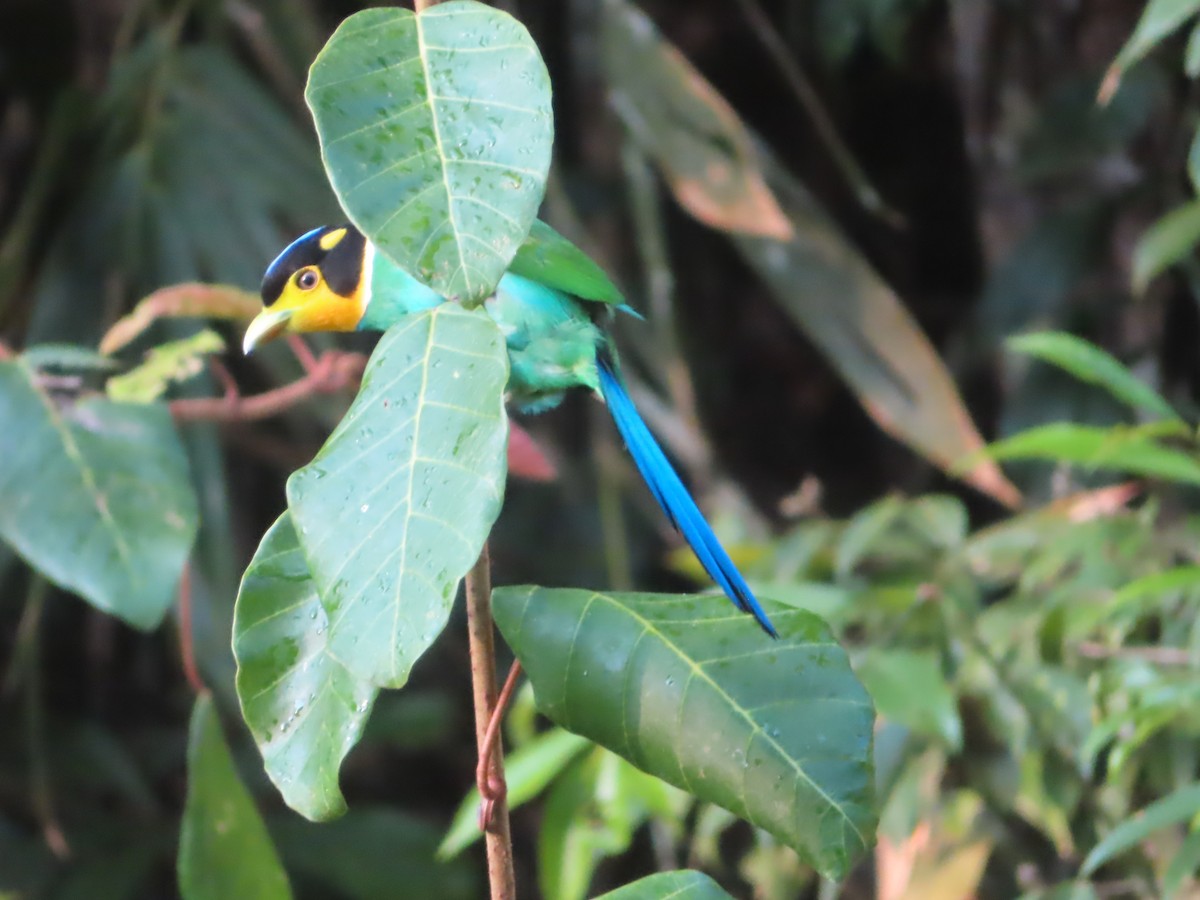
(187, 648)
(483, 683)
(490, 781)
(5, 352)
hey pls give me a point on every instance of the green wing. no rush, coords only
(550, 259)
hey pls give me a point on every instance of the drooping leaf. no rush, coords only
(1178, 806)
(1165, 243)
(174, 361)
(545, 256)
(684, 885)
(691, 132)
(372, 853)
(209, 301)
(1159, 19)
(527, 771)
(1089, 363)
(304, 708)
(436, 132)
(1114, 449)
(95, 495)
(778, 732)
(396, 506)
(224, 848)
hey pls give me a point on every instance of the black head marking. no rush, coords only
(340, 263)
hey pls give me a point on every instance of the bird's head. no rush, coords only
(315, 284)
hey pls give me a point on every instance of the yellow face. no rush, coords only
(315, 284)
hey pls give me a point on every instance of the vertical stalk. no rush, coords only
(483, 684)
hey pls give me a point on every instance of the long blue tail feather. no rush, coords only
(672, 496)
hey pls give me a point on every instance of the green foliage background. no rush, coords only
(833, 248)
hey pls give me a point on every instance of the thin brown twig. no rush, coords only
(332, 372)
(1163, 656)
(489, 781)
(483, 683)
(187, 649)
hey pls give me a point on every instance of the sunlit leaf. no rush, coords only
(682, 885)
(94, 494)
(436, 132)
(688, 128)
(1159, 19)
(1178, 806)
(303, 707)
(224, 848)
(208, 301)
(527, 771)
(778, 732)
(166, 364)
(1089, 363)
(1166, 242)
(396, 506)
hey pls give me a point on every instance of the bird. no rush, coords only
(552, 305)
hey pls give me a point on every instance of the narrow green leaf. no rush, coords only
(527, 772)
(1159, 19)
(302, 705)
(1117, 449)
(1178, 806)
(224, 848)
(1089, 363)
(689, 690)
(1165, 243)
(548, 258)
(95, 495)
(1193, 160)
(436, 132)
(396, 506)
(1191, 59)
(68, 358)
(908, 687)
(1183, 866)
(166, 364)
(1168, 581)
(684, 885)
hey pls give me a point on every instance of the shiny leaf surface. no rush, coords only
(94, 494)
(436, 132)
(302, 705)
(778, 732)
(396, 506)
(682, 885)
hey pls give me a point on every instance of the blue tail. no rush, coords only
(672, 496)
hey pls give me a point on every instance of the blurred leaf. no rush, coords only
(165, 364)
(681, 885)
(1089, 363)
(95, 495)
(574, 836)
(304, 708)
(1166, 242)
(414, 720)
(396, 506)
(689, 129)
(1120, 449)
(833, 295)
(436, 132)
(863, 530)
(1168, 581)
(1178, 806)
(1159, 19)
(778, 732)
(373, 853)
(908, 687)
(208, 301)
(1191, 60)
(1183, 866)
(224, 848)
(1193, 160)
(956, 876)
(527, 770)
(68, 358)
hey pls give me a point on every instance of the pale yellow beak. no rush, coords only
(266, 326)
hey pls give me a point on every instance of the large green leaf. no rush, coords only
(436, 132)
(396, 506)
(1159, 19)
(820, 280)
(303, 707)
(94, 494)
(682, 885)
(689, 690)
(224, 848)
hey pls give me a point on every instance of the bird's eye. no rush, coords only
(307, 279)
